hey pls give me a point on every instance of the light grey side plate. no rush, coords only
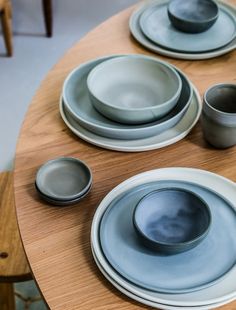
(78, 105)
(156, 25)
(170, 136)
(143, 40)
(64, 178)
(61, 203)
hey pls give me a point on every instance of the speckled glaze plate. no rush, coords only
(156, 25)
(186, 272)
(222, 291)
(136, 31)
(170, 136)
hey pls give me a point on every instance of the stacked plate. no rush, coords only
(63, 181)
(201, 278)
(151, 27)
(80, 115)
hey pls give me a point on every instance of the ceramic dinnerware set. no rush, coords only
(129, 103)
(161, 25)
(166, 237)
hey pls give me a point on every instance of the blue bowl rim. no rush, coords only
(192, 21)
(169, 244)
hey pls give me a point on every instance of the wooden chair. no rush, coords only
(5, 16)
(6, 20)
(47, 12)
(13, 263)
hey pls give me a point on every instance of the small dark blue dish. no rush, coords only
(62, 203)
(193, 16)
(171, 220)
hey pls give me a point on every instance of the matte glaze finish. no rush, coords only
(64, 178)
(170, 136)
(172, 220)
(156, 25)
(147, 301)
(185, 272)
(198, 50)
(193, 16)
(221, 291)
(78, 105)
(134, 89)
(219, 115)
(61, 203)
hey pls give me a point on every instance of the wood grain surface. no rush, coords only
(57, 240)
(13, 263)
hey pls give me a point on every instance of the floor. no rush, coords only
(34, 55)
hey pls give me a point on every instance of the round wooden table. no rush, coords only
(57, 240)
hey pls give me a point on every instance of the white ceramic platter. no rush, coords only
(151, 303)
(185, 272)
(143, 40)
(165, 138)
(222, 291)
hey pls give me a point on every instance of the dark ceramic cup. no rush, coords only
(193, 16)
(219, 115)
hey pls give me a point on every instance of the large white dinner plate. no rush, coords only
(170, 136)
(143, 40)
(77, 102)
(151, 303)
(155, 24)
(185, 272)
(221, 291)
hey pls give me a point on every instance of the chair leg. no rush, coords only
(9, 8)
(7, 30)
(7, 297)
(47, 11)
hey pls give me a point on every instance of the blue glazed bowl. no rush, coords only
(193, 16)
(171, 220)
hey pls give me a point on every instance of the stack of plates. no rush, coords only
(151, 27)
(201, 278)
(83, 119)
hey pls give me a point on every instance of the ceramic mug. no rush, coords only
(219, 115)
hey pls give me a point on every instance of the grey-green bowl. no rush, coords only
(134, 89)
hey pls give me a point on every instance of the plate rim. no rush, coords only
(118, 270)
(148, 127)
(221, 184)
(148, 302)
(123, 148)
(225, 10)
(134, 20)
